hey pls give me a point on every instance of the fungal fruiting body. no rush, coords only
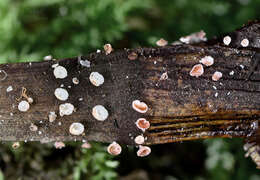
(161, 42)
(76, 129)
(143, 151)
(96, 79)
(227, 40)
(164, 76)
(33, 127)
(59, 145)
(75, 80)
(61, 94)
(194, 37)
(132, 56)
(252, 150)
(197, 70)
(114, 148)
(23, 106)
(245, 42)
(100, 113)
(139, 106)
(60, 72)
(52, 116)
(9, 89)
(47, 58)
(139, 139)
(84, 63)
(142, 124)
(66, 109)
(216, 76)
(108, 48)
(207, 60)
(16, 145)
(86, 145)
(30, 100)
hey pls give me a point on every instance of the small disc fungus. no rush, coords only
(108, 48)
(33, 127)
(139, 106)
(245, 42)
(100, 113)
(207, 60)
(52, 116)
(66, 109)
(197, 70)
(9, 88)
(86, 145)
(47, 58)
(61, 94)
(59, 145)
(142, 124)
(96, 79)
(114, 148)
(23, 106)
(139, 139)
(75, 80)
(143, 151)
(161, 42)
(76, 129)
(216, 76)
(15, 145)
(227, 40)
(60, 72)
(164, 76)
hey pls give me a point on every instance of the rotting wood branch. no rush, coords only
(181, 107)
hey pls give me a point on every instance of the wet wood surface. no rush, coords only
(181, 107)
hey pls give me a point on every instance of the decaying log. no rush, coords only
(181, 107)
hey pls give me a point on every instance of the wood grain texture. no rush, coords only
(180, 108)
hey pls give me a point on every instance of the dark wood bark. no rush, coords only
(180, 108)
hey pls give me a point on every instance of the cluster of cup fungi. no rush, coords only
(100, 113)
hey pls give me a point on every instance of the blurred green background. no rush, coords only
(32, 29)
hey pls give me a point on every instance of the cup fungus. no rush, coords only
(143, 151)
(245, 42)
(9, 89)
(142, 124)
(23, 106)
(114, 149)
(139, 139)
(76, 129)
(108, 48)
(161, 42)
(59, 145)
(60, 72)
(52, 116)
(33, 127)
(139, 106)
(61, 94)
(96, 79)
(227, 40)
(15, 145)
(216, 76)
(197, 70)
(207, 60)
(86, 145)
(66, 109)
(100, 113)
(75, 80)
